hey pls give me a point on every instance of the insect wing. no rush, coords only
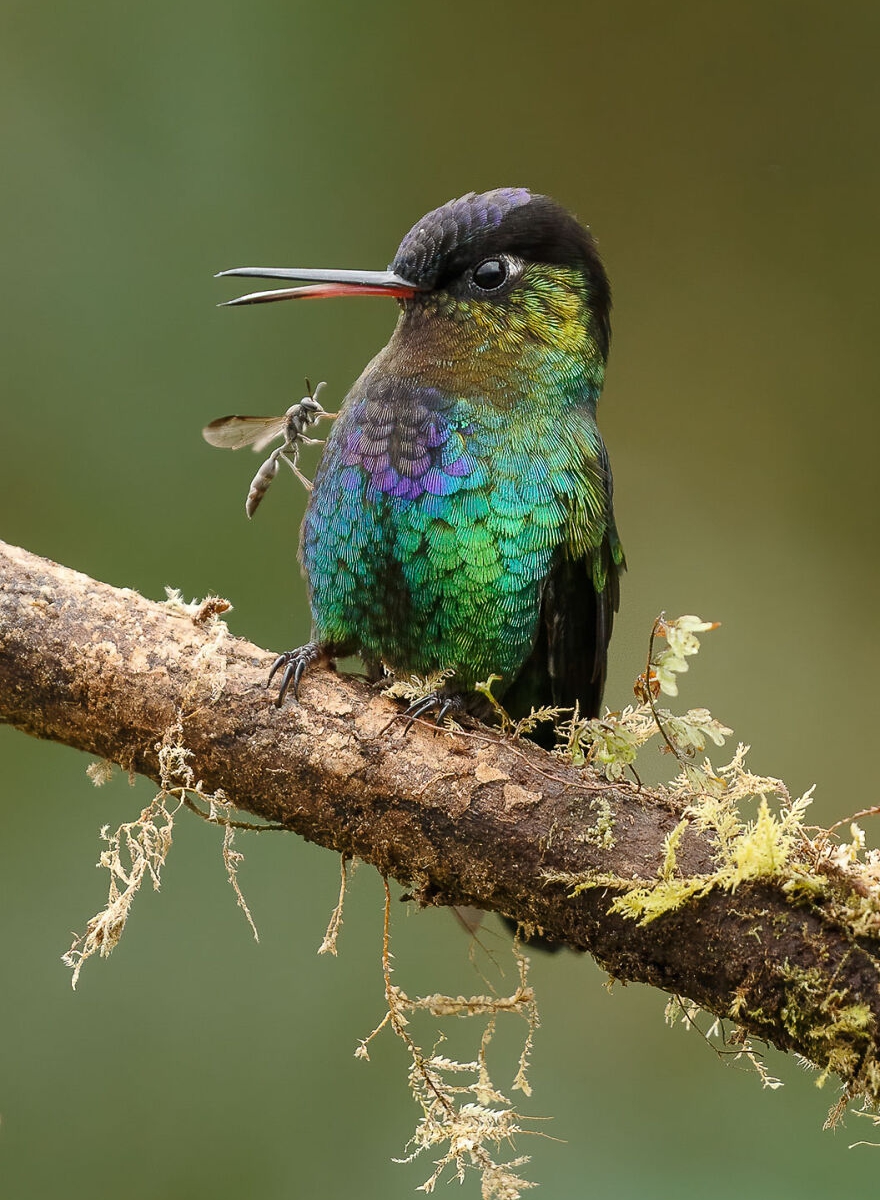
(231, 433)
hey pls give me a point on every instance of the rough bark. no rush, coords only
(467, 819)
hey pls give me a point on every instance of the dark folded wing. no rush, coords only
(581, 596)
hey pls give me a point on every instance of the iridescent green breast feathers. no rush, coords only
(461, 517)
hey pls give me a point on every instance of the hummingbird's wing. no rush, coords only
(581, 596)
(578, 619)
(568, 660)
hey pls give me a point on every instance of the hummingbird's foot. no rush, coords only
(438, 702)
(295, 663)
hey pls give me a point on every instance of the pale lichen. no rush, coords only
(414, 688)
(841, 879)
(612, 743)
(601, 832)
(731, 1048)
(100, 772)
(135, 852)
(746, 850)
(464, 1120)
(328, 945)
(138, 850)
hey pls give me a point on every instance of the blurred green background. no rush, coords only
(726, 157)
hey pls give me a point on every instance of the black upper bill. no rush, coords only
(320, 283)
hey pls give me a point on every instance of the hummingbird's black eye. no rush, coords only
(490, 274)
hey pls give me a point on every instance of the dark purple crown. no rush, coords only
(461, 233)
(514, 220)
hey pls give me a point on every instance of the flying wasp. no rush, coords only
(231, 433)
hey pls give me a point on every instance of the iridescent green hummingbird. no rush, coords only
(461, 517)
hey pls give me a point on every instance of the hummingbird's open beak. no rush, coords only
(326, 283)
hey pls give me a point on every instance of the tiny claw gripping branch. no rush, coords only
(295, 663)
(436, 702)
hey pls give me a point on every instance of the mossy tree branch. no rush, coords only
(464, 819)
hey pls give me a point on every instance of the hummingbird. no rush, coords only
(460, 523)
